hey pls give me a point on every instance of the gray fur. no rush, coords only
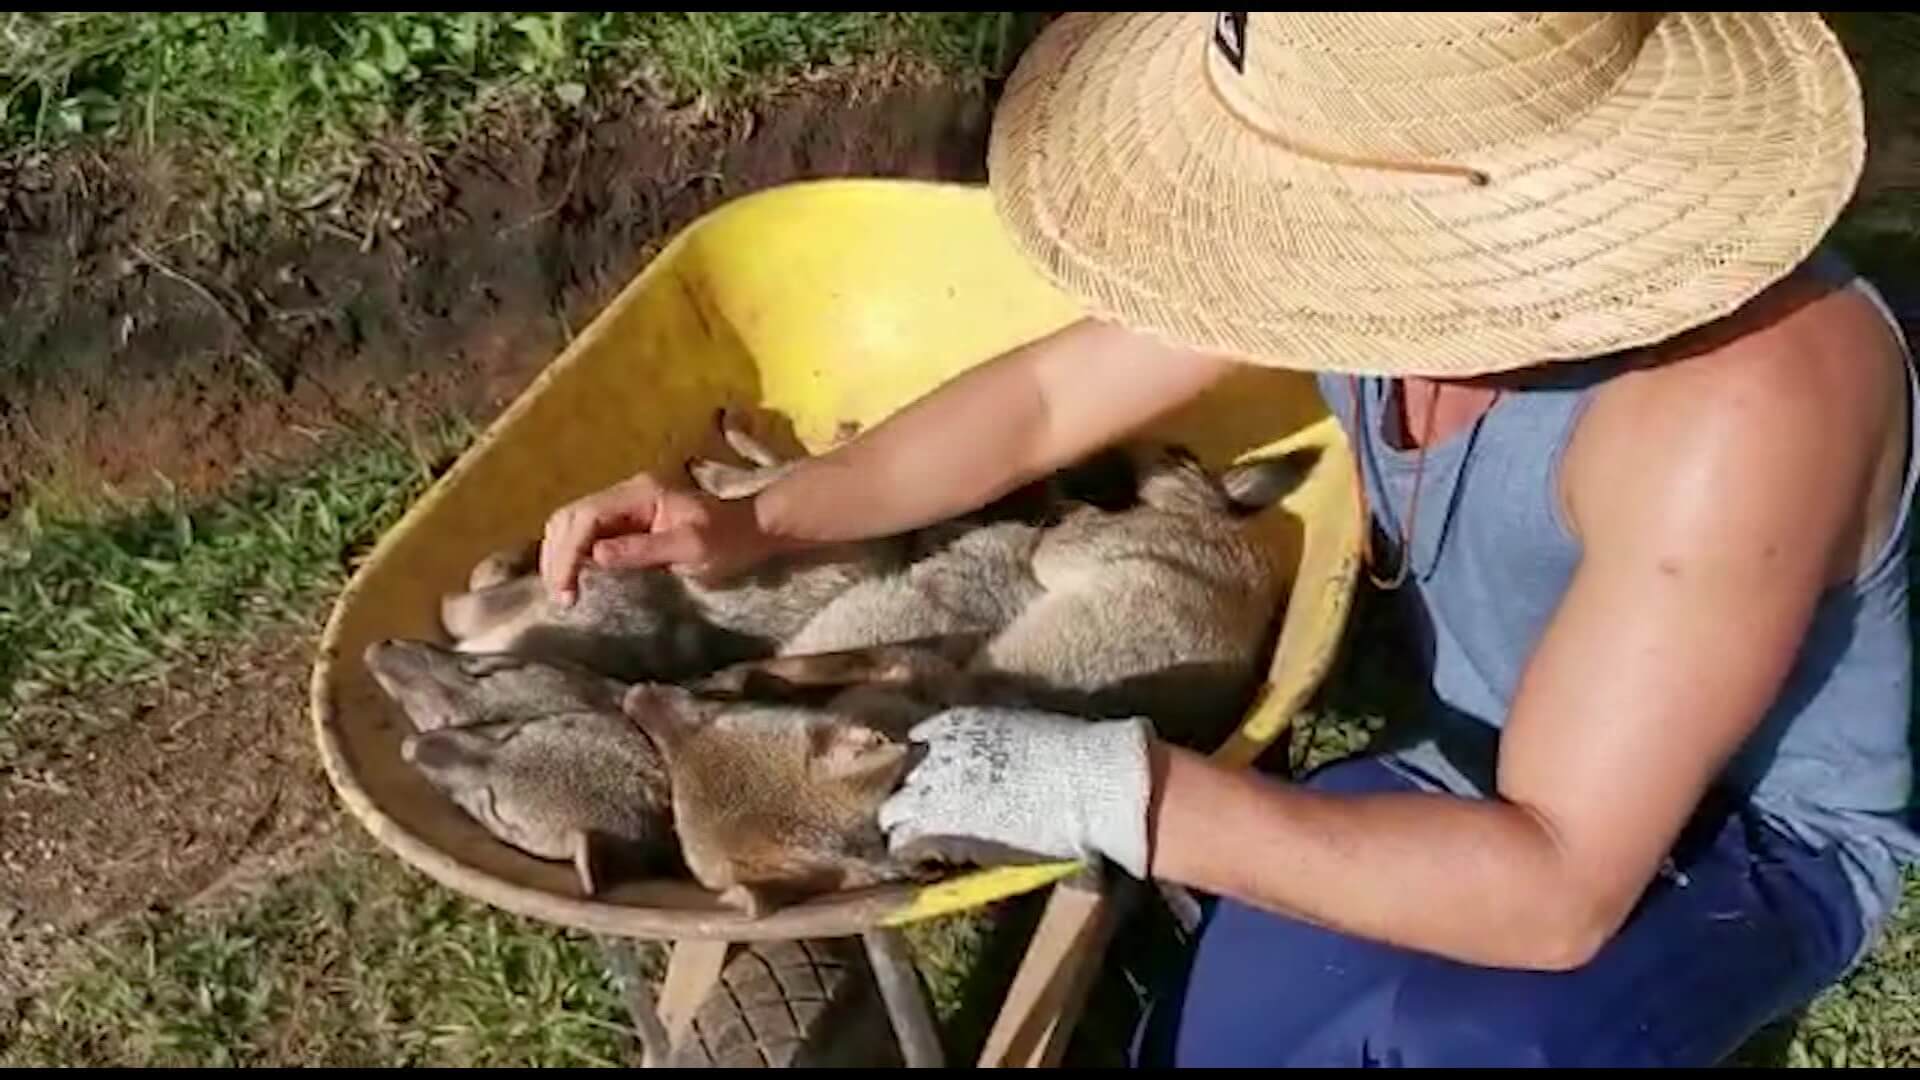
(541, 755)
(805, 675)
(651, 623)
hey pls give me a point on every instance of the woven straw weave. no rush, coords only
(1445, 194)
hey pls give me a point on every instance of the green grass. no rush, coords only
(285, 97)
(1870, 1020)
(358, 960)
(89, 600)
(355, 961)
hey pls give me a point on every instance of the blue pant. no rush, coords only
(1755, 926)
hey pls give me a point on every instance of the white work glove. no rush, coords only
(1050, 785)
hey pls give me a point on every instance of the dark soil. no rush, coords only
(138, 346)
(189, 784)
(145, 337)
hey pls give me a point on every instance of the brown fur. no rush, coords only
(773, 802)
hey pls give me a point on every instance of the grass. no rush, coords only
(359, 961)
(1871, 1020)
(287, 97)
(89, 600)
(354, 961)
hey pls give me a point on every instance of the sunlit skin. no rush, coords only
(1716, 489)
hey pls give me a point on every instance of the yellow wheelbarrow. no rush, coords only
(821, 302)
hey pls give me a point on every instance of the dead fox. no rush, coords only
(650, 623)
(568, 765)
(540, 754)
(1158, 608)
(775, 801)
(653, 624)
(1161, 607)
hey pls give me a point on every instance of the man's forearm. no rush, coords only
(1480, 881)
(975, 438)
(984, 433)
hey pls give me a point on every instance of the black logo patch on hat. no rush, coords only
(1230, 36)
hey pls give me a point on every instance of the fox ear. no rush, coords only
(450, 755)
(662, 710)
(1255, 485)
(479, 611)
(926, 664)
(504, 565)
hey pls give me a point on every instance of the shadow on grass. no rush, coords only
(1771, 1047)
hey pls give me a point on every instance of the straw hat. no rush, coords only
(1443, 194)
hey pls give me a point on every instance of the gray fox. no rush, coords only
(537, 752)
(654, 624)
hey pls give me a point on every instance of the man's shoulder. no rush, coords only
(1793, 395)
(1804, 352)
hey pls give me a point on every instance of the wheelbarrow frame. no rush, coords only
(918, 284)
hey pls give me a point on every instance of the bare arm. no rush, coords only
(1719, 499)
(982, 434)
(986, 432)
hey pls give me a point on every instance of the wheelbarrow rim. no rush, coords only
(704, 916)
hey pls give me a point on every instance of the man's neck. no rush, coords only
(1451, 405)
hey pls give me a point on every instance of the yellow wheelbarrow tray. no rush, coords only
(820, 302)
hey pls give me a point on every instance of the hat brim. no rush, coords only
(1715, 167)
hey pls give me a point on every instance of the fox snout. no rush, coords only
(394, 662)
(411, 674)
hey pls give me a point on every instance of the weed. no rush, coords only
(1870, 1020)
(284, 94)
(355, 961)
(358, 960)
(86, 602)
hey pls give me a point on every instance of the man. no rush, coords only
(1639, 456)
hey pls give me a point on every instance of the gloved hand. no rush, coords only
(1051, 785)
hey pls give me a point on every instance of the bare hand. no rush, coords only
(641, 522)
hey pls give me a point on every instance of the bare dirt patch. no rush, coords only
(140, 345)
(191, 784)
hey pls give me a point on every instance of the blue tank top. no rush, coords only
(1491, 556)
